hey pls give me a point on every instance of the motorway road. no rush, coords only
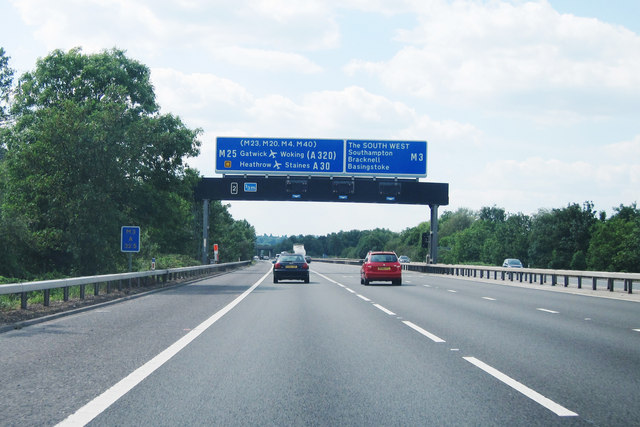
(236, 349)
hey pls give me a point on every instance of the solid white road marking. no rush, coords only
(423, 332)
(637, 330)
(531, 394)
(452, 291)
(427, 286)
(389, 312)
(98, 405)
(350, 290)
(363, 297)
(489, 298)
(547, 311)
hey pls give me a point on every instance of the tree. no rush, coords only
(235, 239)
(374, 240)
(453, 222)
(6, 82)
(556, 236)
(90, 152)
(615, 244)
(468, 245)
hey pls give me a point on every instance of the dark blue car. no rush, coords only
(290, 267)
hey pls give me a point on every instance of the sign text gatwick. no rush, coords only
(294, 156)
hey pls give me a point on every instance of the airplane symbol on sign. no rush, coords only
(273, 154)
(277, 165)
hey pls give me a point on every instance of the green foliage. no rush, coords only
(557, 235)
(615, 244)
(235, 239)
(6, 81)
(453, 222)
(568, 238)
(87, 153)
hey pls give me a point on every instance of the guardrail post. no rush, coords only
(610, 284)
(47, 297)
(595, 283)
(82, 291)
(579, 282)
(96, 289)
(65, 293)
(554, 279)
(630, 286)
(23, 300)
(566, 281)
(108, 287)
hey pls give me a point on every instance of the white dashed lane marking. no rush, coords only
(379, 307)
(427, 334)
(531, 394)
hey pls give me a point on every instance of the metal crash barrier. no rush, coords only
(117, 281)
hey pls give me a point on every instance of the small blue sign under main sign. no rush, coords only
(130, 239)
(250, 187)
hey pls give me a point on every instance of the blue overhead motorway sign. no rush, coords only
(280, 156)
(333, 157)
(386, 158)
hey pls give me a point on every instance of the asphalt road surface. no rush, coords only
(237, 349)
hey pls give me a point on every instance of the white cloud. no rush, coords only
(503, 53)
(530, 184)
(624, 150)
(350, 113)
(201, 98)
(272, 31)
(265, 60)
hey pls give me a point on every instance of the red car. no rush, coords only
(381, 267)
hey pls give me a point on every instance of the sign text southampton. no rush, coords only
(291, 156)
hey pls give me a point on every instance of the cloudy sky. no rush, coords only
(524, 104)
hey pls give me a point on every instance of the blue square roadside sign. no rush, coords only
(130, 238)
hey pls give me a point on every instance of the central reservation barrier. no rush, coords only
(522, 275)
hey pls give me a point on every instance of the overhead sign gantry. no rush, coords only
(323, 170)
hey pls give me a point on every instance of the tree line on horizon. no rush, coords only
(573, 238)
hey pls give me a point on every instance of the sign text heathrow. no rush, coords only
(291, 156)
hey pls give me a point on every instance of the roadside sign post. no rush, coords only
(130, 241)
